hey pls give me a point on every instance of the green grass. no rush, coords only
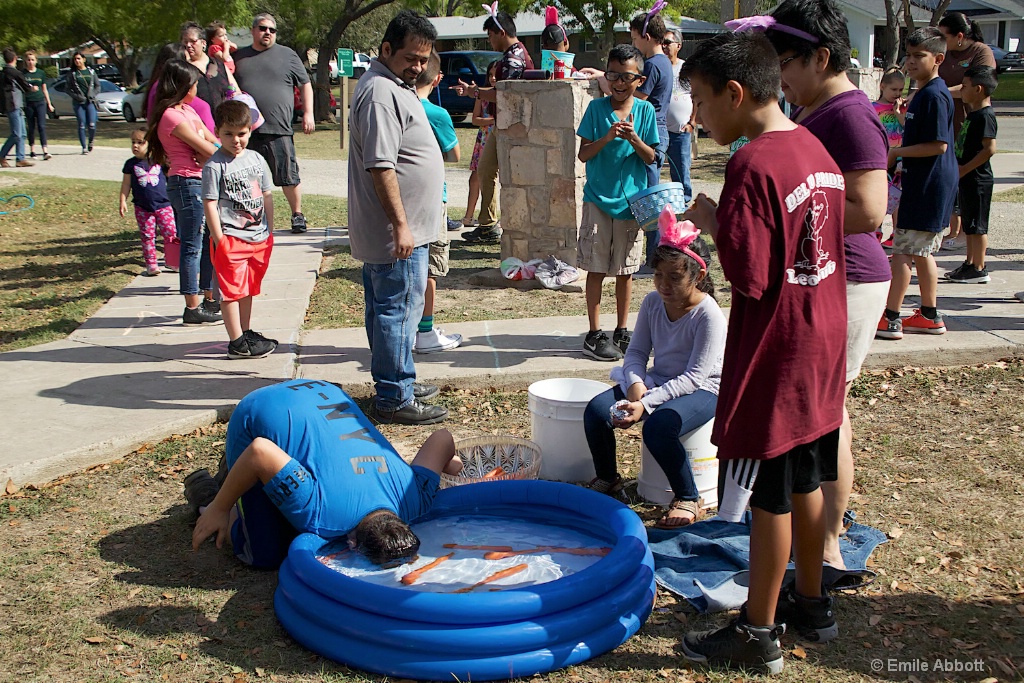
(1015, 195)
(1011, 87)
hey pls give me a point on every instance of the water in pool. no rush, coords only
(476, 554)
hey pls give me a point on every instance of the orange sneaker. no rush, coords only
(919, 324)
(889, 329)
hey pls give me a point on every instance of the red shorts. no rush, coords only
(240, 266)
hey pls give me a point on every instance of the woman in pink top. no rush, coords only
(179, 139)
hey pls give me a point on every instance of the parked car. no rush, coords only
(108, 102)
(360, 63)
(1007, 60)
(468, 66)
(132, 107)
(110, 72)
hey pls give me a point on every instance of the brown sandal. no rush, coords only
(691, 506)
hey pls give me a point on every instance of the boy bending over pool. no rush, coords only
(302, 457)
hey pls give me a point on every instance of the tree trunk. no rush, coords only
(939, 10)
(126, 60)
(908, 18)
(890, 42)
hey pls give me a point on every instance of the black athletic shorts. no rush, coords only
(800, 470)
(279, 151)
(975, 205)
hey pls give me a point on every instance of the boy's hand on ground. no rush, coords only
(212, 521)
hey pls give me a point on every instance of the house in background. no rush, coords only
(865, 20)
(1002, 21)
(467, 33)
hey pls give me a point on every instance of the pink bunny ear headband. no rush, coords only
(551, 17)
(655, 8)
(492, 11)
(763, 22)
(678, 235)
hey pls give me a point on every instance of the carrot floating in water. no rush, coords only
(498, 548)
(504, 573)
(411, 577)
(501, 555)
(496, 472)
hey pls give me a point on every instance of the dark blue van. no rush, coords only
(469, 66)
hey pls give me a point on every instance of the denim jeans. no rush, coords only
(661, 432)
(35, 118)
(394, 305)
(86, 115)
(195, 273)
(679, 161)
(16, 119)
(654, 178)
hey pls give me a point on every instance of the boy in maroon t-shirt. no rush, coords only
(778, 229)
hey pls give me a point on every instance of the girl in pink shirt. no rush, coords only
(179, 139)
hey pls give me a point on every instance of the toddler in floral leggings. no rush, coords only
(148, 187)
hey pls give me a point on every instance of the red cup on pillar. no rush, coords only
(560, 70)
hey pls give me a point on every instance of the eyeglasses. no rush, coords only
(192, 41)
(787, 60)
(613, 76)
(666, 43)
(268, 29)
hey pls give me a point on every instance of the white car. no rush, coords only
(131, 106)
(108, 102)
(360, 64)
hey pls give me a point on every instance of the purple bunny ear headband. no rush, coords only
(551, 18)
(678, 235)
(763, 22)
(492, 11)
(655, 8)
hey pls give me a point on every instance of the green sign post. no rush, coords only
(345, 59)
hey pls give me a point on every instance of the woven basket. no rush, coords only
(647, 205)
(519, 458)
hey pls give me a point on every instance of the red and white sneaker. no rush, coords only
(918, 324)
(889, 329)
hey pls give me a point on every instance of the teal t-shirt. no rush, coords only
(38, 79)
(444, 132)
(616, 173)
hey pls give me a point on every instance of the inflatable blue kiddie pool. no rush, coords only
(513, 578)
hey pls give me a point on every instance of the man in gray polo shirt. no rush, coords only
(395, 172)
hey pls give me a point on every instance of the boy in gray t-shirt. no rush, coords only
(240, 214)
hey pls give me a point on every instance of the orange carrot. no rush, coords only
(501, 555)
(496, 472)
(411, 577)
(504, 573)
(499, 548)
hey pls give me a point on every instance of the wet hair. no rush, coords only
(382, 537)
(430, 71)
(411, 25)
(655, 25)
(985, 76)
(233, 114)
(958, 22)
(10, 55)
(747, 58)
(190, 27)
(624, 52)
(822, 19)
(167, 52)
(893, 75)
(552, 35)
(929, 39)
(178, 78)
(213, 28)
(505, 23)
(680, 259)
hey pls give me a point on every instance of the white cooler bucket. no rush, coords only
(556, 421)
(652, 483)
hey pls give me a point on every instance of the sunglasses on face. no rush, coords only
(613, 76)
(666, 43)
(268, 29)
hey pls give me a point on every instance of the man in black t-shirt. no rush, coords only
(14, 86)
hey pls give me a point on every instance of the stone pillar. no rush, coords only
(869, 80)
(541, 178)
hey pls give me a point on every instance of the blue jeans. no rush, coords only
(654, 178)
(35, 117)
(661, 432)
(16, 119)
(394, 304)
(195, 273)
(679, 161)
(86, 115)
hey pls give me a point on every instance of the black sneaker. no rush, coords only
(253, 335)
(200, 316)
(970, 275)
(246, 347)
(298, 223)
(621, 337)
(811, 618)
(421, 392)
(200, 490)
(483, 235)
(948, 275)
(415, 413)
(598, 346)
(737, 646)
(211, 306)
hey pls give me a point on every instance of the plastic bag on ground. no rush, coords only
(554, 274)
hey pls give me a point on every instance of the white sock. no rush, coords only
(739, 486)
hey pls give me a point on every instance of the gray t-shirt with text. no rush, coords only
(238, 184)
(389, 129)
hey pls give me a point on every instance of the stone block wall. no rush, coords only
(541, 178)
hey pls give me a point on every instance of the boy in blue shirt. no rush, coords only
(930, 179)
(428, 339)
(618, 134)
(302, 457)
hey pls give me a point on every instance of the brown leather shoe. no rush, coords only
(25, 163)
(4, 163)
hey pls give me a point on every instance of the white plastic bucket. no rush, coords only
(556, 421)
(652, 483)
